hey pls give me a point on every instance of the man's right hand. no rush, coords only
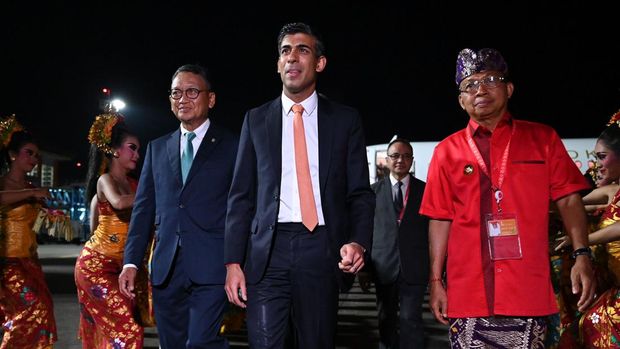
(235, 285)
(126, 281)
(438, 302)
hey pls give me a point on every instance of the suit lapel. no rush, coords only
(209, 142)
(172, 146)
(326, 136)
(273, 129)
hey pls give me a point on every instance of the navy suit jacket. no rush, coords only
(253, 204)
(400, 249)
(192, 214)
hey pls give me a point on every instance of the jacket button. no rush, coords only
(270, 226)
(181, 206)
(276, 197)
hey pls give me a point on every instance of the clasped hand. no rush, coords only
(352, 258)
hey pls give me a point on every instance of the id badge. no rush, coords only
(503, 236)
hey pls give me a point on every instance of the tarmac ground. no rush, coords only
(357, 316)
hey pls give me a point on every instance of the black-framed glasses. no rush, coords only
(191, 93)
(396, 156)
(472, 86)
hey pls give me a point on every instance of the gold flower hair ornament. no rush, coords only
(593, 172)
(8, 127)
(100, 133)
(615, 119)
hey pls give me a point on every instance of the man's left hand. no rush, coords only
(582, 279)
(352, 258)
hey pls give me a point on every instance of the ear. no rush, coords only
(211, 100)
(510, 88)
(461, 103)
(320, 64)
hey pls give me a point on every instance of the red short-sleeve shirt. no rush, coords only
(539, 169)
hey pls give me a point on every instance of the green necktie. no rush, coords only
(188, 155)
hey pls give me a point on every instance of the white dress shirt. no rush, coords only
(200, 132)
(290, 210)
(403, 187)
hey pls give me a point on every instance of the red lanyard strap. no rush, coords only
(497, 189)
(402, 210)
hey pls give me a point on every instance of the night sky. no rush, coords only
(395, 64)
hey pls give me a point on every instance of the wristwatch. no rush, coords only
(582, 251)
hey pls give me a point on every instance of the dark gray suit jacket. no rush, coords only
(400, 249)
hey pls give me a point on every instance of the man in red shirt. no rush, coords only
(487, 195)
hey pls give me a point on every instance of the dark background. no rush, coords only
(394, 61)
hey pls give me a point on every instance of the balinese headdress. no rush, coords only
(100, 133)
(8, 126)
(615, 119)
(470, 62)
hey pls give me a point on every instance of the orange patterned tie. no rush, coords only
(309, 217)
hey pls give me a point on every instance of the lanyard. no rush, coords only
(402, 210)
(497, 190)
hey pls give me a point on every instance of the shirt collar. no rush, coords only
(309, 104)
(200, 131)
(405, 180)
(506, 120)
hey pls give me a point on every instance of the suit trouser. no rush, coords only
(188, 315)
(407, 298)
(299, 284)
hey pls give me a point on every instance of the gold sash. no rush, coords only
(16, 236)
(110, 236)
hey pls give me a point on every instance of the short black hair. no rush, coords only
(400, 140)
(299, 27)
(198, 70)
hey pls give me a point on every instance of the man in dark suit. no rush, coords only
(182, 193)
(399, 257)
(295, 217)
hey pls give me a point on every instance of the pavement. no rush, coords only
(357, 315)
(58, 261)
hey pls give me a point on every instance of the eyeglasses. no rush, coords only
(491, 81)
(396, 156)
(191, 93)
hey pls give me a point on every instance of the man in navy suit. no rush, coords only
(289, 265)
(182, 193)
(399, 259)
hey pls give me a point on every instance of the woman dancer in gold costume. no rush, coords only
(26, 303)
(108, 319)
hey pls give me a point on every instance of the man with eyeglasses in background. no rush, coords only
(487, 196)
(182, 193)
(398, 264)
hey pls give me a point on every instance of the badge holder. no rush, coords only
(503, 236)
